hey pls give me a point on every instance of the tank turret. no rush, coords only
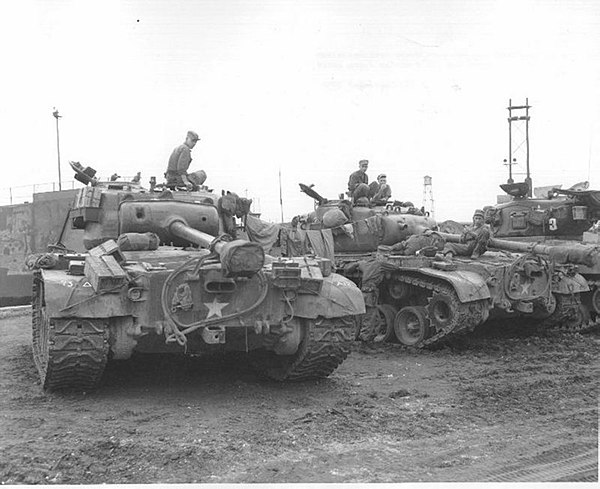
(559, 214)
(362, 228)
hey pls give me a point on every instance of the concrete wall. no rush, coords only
(15, 235)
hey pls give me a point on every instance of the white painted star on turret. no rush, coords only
(215, 308)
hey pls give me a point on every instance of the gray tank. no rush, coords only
(559, 226)
(158, 275)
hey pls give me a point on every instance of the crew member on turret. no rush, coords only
(179, 162)
(380, 191)
(473, 241)
(358, 183)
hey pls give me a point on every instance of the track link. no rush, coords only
(325, 345)
(69, 353)
(570, 314)
(466, 315)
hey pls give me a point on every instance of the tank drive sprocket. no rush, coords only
(325, 345)
(570, 314)
(69, 353)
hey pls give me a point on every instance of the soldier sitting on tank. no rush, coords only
(179, 163)
(380, 191)
(473, 241)
(358, 183)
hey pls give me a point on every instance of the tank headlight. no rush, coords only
(135, 294)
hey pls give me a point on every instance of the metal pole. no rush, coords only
(529, 182)
(280, 196)
(510, 178)
(57, 116)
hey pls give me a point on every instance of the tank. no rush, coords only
(158, 275)
(420, 300)
(562, 226)
(423, 300)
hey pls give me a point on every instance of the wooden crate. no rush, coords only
(104, 273)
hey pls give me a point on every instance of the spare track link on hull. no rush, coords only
(466, 315)
(325, 345)
(69, 353)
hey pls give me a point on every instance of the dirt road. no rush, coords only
(501, 405)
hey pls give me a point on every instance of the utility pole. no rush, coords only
(519, 115)
(57, 116)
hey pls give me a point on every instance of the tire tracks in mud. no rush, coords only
(573, 462)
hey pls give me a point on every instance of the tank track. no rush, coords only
(69, 353)
(468, 315)
(568, 315)
(325, 346)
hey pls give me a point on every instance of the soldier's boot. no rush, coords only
(368, 325)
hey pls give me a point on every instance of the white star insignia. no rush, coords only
(525, 287)
(215, 308)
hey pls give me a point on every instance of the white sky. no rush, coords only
(417, 87)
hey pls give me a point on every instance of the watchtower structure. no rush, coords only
(428, 196)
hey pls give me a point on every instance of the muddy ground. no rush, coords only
(505, 404)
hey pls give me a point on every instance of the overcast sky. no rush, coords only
(309, 87)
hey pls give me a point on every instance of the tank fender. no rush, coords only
(338, 297)
(71, 296)
(469, 286)
(570, 284)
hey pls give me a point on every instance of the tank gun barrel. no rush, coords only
(576, 253)
(238, 257)
(200, 238)
(503, 244)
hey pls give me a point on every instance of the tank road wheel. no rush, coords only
(384, 330)
(69, 353)
(443, 308)
(411, 325)
(325, 344)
